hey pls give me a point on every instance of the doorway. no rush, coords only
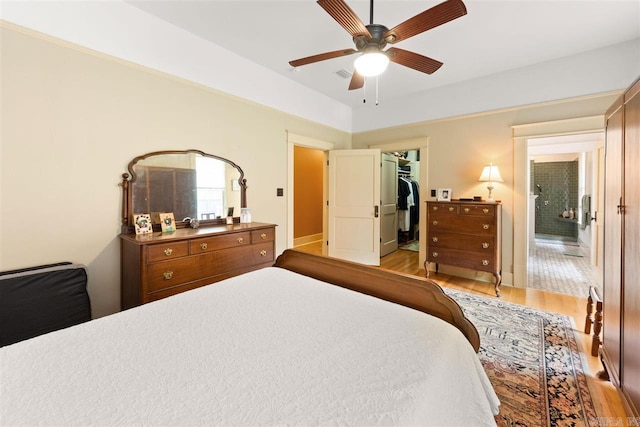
(403, 190)
(308, 176)
(564, 189)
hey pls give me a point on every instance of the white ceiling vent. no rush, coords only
(344, 74)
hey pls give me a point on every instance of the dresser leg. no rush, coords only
(498, 277)
(426, 268)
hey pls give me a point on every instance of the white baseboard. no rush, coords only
(305, 240)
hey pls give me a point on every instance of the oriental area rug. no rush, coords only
(532, 359)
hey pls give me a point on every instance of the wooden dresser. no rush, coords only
(465, 234)
(159, 265)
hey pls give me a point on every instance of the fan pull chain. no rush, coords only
(364, 91)
(376, 90)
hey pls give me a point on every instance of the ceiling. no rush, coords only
(493, 37)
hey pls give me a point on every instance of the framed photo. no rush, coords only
(142, 223)
(167, 222)
(444, 194)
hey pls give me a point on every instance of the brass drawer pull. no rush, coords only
(434, 239)
(203, 246)
(485, 245)
(485, 210)
(168, 251)
(435, 223)
(434, 254)
(240, 240)
(485, 226)
(466, 210)
(485, 262)
(168, 275)
(435, 208)
(263, 253)
(451, 208)
(263, 236)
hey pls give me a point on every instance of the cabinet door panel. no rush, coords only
(612, 238)
(631, 279)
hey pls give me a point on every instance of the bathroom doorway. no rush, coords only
(565, 184)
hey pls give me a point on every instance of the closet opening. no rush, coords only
(400, 194)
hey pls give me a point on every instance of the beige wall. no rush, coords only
(72, 120)
(459, 147)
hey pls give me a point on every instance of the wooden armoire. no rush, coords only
(620, 351)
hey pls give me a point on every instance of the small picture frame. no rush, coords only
(444, 194)
(142, 223)
(167, 222)
(245, 215)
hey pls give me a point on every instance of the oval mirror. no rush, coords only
(190, 184)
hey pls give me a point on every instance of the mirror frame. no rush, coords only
(130, 178)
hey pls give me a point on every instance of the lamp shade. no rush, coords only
(490, 173)
(371, 64)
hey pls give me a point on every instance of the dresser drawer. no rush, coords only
(471, 260)
(485, 244)
(443, 209)
(208, 244)
(482, 210)
(168, 274)
(166, 251)
(463, 224)
(266, 235)
(261, 253)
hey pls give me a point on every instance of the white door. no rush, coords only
(389, 205)
(354, 205)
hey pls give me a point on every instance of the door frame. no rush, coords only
(521, 135)
(294, 139)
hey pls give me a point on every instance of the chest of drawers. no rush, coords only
(467, 235)
(159, 265)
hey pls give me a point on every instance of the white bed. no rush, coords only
(271, 347)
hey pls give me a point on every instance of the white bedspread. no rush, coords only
(270, 347)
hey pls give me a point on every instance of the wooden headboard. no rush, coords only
(411, 291)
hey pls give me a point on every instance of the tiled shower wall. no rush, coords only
(558, 191)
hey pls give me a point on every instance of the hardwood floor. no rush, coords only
(606, 399)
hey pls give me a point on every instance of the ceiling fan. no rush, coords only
(373, 38)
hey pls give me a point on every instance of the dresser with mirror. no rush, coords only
(206, 244)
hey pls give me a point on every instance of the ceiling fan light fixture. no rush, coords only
(371, 64)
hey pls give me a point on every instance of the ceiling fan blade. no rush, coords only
(413, 60)
(345, 16)
(357, 81)
(430, 18)
(321, 57)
